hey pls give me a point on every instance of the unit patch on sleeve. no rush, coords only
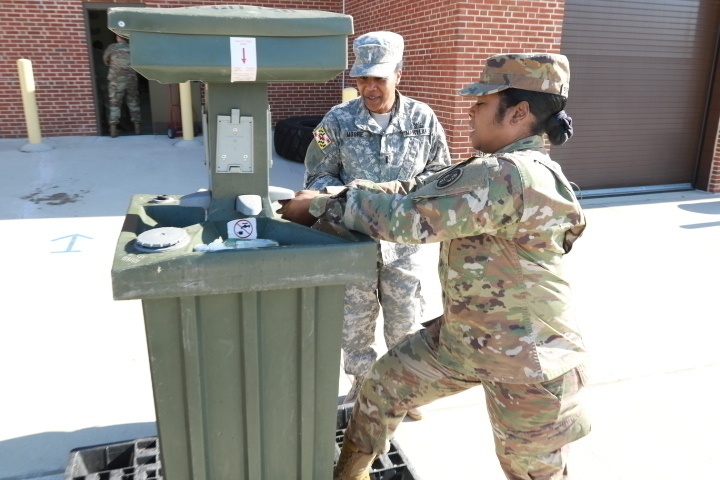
(449, 178)
(321, 137)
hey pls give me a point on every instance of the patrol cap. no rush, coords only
(537, 72)
(377, 54)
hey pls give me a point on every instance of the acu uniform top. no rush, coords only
(505, 222)
(350, 145)
(117, 57)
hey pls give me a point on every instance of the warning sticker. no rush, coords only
(243, 228)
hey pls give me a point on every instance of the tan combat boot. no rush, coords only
(352, 464)
(137, 129)
(415, 414)
(113, 131)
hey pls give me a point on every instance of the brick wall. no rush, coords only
(56, 47)
(447, 42)
(714, 182)
(51, 34)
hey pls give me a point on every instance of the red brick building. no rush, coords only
(644, 93)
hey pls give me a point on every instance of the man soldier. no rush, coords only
(122, 83)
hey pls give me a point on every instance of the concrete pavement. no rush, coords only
(645, 280)
(74, 368)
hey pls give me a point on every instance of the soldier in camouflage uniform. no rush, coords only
(506, 219)
(122, 83)
(380, 136)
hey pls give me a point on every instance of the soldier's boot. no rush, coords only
(113, 131)
(137, 129)
(352, 463)
(415, 414)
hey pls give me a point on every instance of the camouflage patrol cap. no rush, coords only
(377, 54)
(537, 72)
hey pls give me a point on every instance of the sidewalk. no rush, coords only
(74, 361)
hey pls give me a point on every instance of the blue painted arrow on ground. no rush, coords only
(71, 243)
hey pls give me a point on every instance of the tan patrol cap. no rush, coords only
(537, 72)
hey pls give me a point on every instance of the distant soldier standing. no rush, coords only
(122, 82)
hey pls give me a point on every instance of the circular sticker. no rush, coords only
(243, 229)
(449, 178)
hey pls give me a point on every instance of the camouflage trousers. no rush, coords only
(532, 424)
(123, 86)
(398, 292)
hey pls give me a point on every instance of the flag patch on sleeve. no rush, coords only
(322, 138)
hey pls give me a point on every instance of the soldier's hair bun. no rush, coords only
(559, 128)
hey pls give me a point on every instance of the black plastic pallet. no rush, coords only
(140, 459)
(392, 465)
(130, 460)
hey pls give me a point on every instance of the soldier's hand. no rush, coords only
(297, 209)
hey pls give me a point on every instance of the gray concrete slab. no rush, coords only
(645, 279)
(74, 362)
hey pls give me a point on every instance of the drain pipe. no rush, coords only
(348, 93)
(343, 74)
(32, 121)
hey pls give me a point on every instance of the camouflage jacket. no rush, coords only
(117, 56)
(350, 145)
(505, 222)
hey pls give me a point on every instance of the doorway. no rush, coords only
(99, 38)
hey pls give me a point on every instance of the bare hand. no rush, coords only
(297, 209)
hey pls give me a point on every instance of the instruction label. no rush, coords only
(243, 61)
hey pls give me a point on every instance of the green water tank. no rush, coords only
(244, 344)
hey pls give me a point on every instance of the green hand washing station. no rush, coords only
(244, 344)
